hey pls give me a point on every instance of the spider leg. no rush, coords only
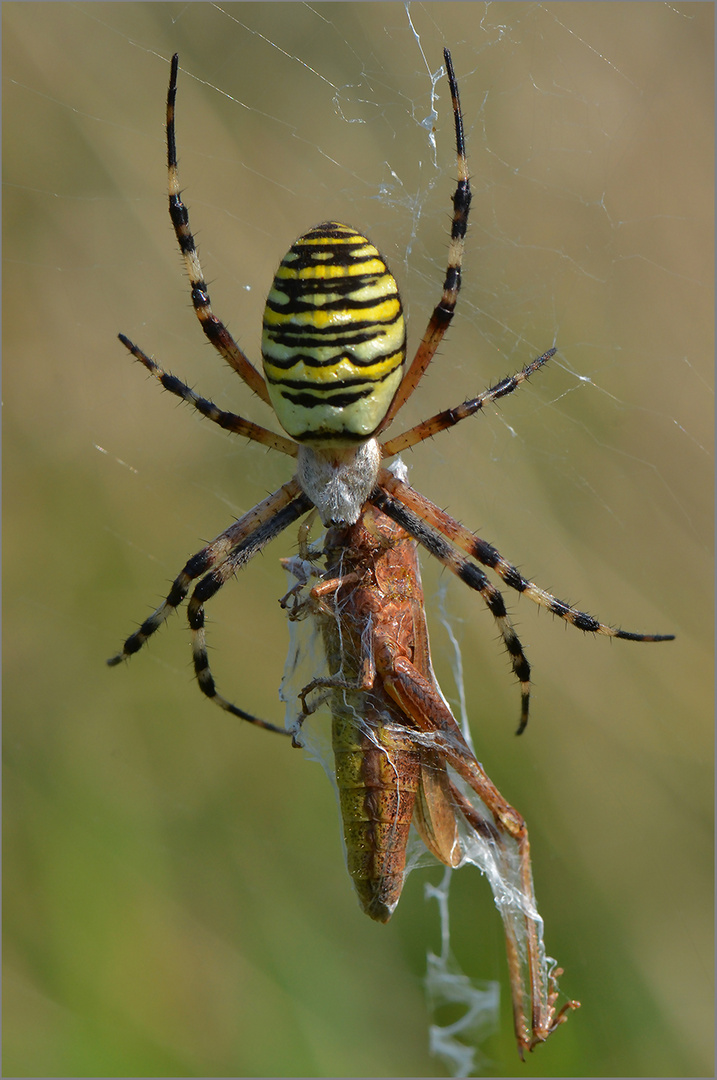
(432, 540)
(488, 555)
(443, 312)
(213, 327)
(212, 582)
(248, 534)
(227, 420)
(449, 417)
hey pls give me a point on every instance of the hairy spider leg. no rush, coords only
(489, 556)
(233, 547)
(429, 526)
(227, 420)
(450, 417)
(213, 327)
(443, 312)
(210, 585)
(432, 540)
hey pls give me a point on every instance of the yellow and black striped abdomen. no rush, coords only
(334, 340)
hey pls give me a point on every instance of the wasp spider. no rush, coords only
(334, 356)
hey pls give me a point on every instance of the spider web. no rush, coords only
(588, 131)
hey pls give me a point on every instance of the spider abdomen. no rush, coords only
(334, 339)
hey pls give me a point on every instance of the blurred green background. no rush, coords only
(175, 896)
